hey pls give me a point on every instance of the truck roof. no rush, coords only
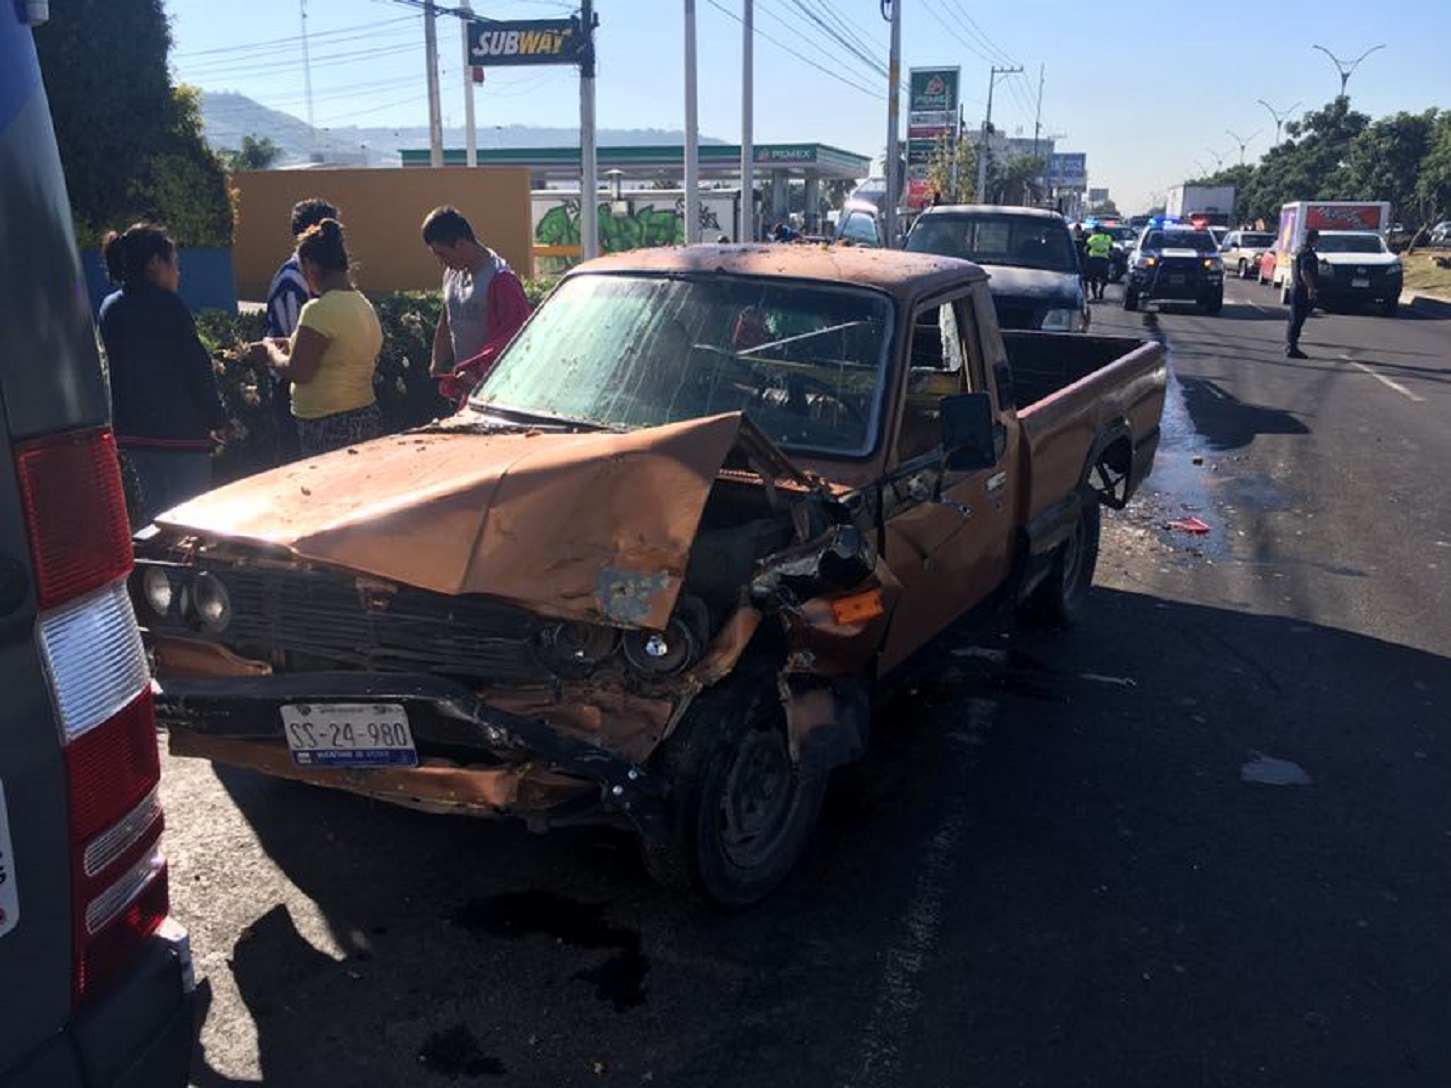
(898, 273)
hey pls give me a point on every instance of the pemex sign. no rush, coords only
(535, 41)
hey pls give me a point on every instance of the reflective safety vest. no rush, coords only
(1100, 245)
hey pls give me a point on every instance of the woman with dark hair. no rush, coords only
(165, 408)
(331, 357)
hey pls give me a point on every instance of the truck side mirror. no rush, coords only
(969, 432)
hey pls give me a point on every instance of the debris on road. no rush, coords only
(1189, 525)
(1267, 771)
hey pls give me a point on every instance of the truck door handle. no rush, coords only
(961, 507)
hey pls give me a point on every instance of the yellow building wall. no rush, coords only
(382, 214)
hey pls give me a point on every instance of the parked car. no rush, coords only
(1242, 251)
(708, 506)
(1029, 254)
(1441, 233)
(96, 975)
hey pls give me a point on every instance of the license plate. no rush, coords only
(1176, 278)
(349, 735)
(1360, 283)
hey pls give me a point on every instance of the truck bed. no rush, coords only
(1075, 394)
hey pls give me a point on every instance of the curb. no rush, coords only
(1434, 305)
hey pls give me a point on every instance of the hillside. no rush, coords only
(227, 117)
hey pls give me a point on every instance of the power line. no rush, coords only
(806, 60)
(841, 39)
(295, 39)
(804, 35)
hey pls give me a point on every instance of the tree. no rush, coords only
(254, 154)
(1107, 209)
(131, 144)
(1433, 186)
(940, 170)
(1310, 164)
(1385, 160)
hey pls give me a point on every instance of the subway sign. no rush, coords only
(535, 41)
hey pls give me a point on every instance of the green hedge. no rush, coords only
(406, 393)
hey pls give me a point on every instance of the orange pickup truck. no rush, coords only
(709, 505)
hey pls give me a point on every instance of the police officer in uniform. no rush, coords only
(1306, 285)
(1100, 247)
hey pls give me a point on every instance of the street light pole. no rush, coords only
(1243, 141)
(1279, 116)
(892, 12)
(692, 134)
(1340, 65)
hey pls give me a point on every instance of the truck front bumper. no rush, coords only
(473, 757)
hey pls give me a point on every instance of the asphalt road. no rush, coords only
(1202, 840)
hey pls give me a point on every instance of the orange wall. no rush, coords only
(382, 212)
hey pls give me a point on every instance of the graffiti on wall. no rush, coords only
(645, 225)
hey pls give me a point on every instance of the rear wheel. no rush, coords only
(743, 811)
(1060, 599)
(1243, 269)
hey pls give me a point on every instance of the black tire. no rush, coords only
(1243, 269)
(1391, 307)
(1213, 304)
(1285, 293)
(1060, 599)
(743, 813)
(1131, 299)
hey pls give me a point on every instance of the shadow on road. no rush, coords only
(1121, 889)
(1228, 423)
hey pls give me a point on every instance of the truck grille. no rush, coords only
(322, 619)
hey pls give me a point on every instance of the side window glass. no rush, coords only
(937, 368)
(990, 342)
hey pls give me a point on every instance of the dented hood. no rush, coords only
(594, 526)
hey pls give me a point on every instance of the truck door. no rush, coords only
(949, 535)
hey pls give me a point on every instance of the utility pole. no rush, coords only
(307, 80)
(1340, 65)
(589, 182)
(748, 150)
(692, 134)
(987, 124)
(1279, 116)
(892, 12)
(435, 110)
(1242, 141)
(1038, 115)
(471, 139)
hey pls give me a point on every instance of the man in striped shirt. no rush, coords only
(285, 300)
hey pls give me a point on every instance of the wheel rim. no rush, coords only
(759, 796)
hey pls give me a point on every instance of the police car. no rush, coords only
(1175, 262)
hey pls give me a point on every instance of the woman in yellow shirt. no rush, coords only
(331, 357)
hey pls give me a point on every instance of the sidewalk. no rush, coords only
(1436, 305)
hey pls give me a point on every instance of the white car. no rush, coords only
(1242, 251)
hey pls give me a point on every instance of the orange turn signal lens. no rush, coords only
(858, 608)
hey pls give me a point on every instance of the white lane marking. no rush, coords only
(1397, 386)
(899, 995)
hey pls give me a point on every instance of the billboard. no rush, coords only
(535, 41)
(1068, 170)
(932, 116)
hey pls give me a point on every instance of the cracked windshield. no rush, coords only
(804, 363)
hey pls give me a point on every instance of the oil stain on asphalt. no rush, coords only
(620, 980)
(454, 1052)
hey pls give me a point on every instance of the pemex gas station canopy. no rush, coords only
(646, 163)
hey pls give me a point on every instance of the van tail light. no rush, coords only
(70, 488)
(80, 545)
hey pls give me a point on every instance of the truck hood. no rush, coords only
(1036, 285)
(594, 526)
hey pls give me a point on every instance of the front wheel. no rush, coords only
(1060, 599)
(1391, 307)
(1131, 299)
(743, 810)
(1243, 269)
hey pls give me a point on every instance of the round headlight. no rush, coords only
(660, 653)
(156, 587)
(579, 643)
(211, 605)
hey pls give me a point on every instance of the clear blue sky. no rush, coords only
(1138, 86)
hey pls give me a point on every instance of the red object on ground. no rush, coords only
(1189, 525)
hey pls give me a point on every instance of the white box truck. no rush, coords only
(1204, 205)
(1356, 265)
